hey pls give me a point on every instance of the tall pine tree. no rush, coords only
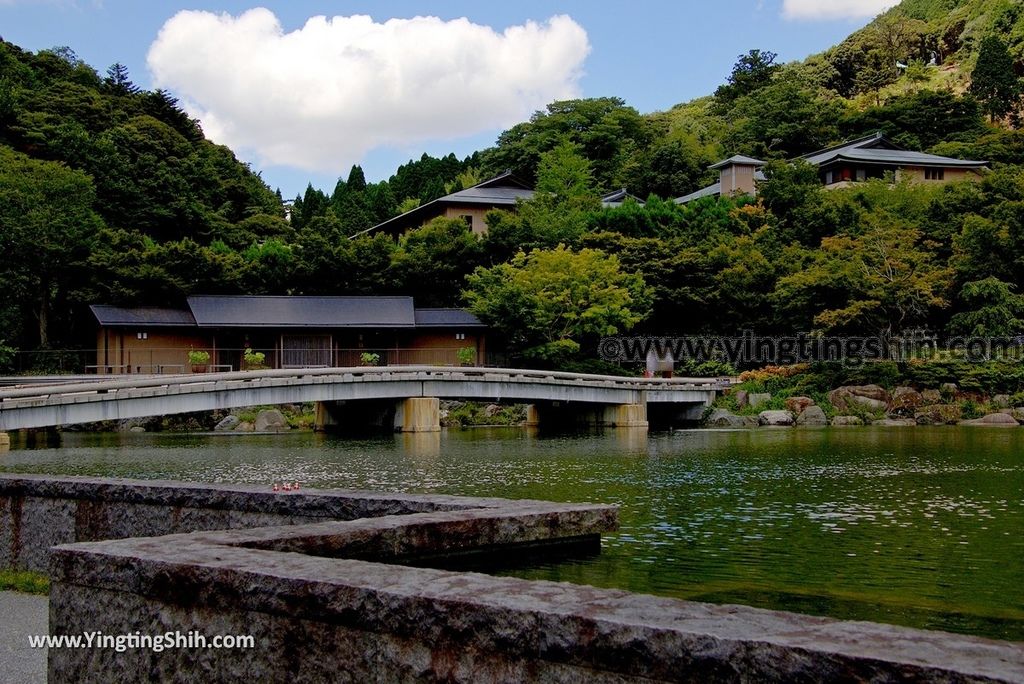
(993, 82)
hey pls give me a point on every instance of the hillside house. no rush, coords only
(472, 204)
(870, 157)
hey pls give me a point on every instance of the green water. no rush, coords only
(919, 527)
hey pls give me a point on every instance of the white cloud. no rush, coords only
(824, 10)
(320, 97)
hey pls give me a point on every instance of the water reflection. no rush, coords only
(922, 526)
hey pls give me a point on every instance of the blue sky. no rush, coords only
(653, 54)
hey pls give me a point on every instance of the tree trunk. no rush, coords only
(44, 316)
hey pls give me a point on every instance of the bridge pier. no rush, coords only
(5, 441)
(415, 414)
(418, 414)
(625, 416)
(586, 415)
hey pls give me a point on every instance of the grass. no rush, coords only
(24, 581)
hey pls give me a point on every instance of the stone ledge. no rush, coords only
(540, 626)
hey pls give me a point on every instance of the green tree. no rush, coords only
(752, 71)
(118, 81)
(551, 300)
(993, 309)
(993, 80)
(47, 229)
(881, 280)
(432, 262)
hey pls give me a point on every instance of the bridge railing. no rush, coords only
(357, 373)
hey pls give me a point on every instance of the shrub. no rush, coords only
(369, 359)
(253, 359)
(198, 357)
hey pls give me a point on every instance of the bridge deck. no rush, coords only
(96, 400)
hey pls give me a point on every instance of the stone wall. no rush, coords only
(363, 599)
(40, 511)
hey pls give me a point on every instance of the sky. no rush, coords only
(303, 90)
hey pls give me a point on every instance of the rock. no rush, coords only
(244, 426)
(270, 420)
(227, 423)
(948, 390)
(136, 428)
(742, 396)
(798, 404)
(775, 418)
(895, 422)
(873, 405)
(756, 399)
(812, 415)
(846, 421)
(726, 418)
(992, 420)
(938, 414)
(871, 397)
(931, 396)
(905, 401)
(491, 410)
(1000, 401)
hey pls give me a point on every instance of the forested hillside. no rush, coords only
(112, 194)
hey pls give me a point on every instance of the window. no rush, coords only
(306, 351)
(468, 218)
(934, 174)
(142, 336)
(862, 174)
(460, 336)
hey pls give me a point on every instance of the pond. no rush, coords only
(914, 526)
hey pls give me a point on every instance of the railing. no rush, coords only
(173, 360)
(209, 381)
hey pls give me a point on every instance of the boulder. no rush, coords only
(895, 422)
(244, 426)
(904, 401)
(992, 420)
(270, 420)
(775, 418)
(798, 404)
(871, 397)
(948, 390)
(846, 421)
(742, 396)
(136, 428)
(1000, 401)
(726, 418)
(491, 410)
(227, 423)
(756, 399)
(812, 415)
(931, 396)
(873, 405)
(938, 414)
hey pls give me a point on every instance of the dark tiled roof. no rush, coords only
(878, 149)
(236, 311)
(149, 316)
(901, 158)
(618, 197)
(491, 195)
(738, 159)
(446, 318)
(502, 190)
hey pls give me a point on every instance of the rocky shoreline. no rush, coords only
(853, 405)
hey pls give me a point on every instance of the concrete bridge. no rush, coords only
(404, 398)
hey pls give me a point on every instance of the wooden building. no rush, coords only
(291, 332)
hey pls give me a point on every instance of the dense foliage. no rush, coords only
(109, 193)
